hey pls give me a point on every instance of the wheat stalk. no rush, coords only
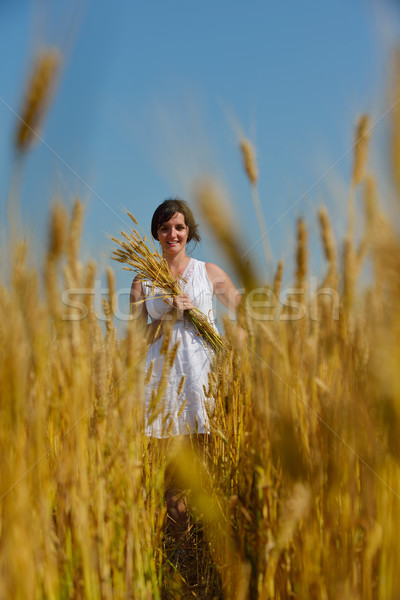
(249, 160)
(302, 253)
(361, 146)
(38, 96)
(395, 120)
(250, 166)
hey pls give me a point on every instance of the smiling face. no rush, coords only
(173, 235)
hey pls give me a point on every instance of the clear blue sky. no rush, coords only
(149, 92)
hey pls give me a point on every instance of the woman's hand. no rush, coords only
(182, 303)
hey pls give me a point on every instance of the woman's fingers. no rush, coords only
(187, 303)
(183, 302)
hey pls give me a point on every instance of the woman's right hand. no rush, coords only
(182, 303)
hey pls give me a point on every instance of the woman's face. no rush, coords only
(173, 234)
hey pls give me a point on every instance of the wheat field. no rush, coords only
(295, 494)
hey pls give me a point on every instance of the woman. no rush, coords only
(178, 405)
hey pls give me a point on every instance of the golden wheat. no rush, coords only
(395, 120)
(361, 147)
(38, 96)
(301, 256)
(294, 494)
(249, 160)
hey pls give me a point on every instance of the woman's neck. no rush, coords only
(178, 263)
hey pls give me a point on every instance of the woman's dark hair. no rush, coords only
(167, 210)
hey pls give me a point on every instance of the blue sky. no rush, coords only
(151, 93)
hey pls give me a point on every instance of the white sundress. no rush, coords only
(167, 413)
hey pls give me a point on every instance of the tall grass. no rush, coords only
(296, 494)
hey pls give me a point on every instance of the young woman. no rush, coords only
(169, 413)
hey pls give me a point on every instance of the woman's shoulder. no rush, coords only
(209, 268)
(213, 271)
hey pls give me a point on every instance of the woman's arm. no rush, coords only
(223, 286)
(227, 293)
(138, 311)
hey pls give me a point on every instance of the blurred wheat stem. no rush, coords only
(361, 147)
(219, 216)
(142, 256)
(38, 96)
(250, 166)
(395, 129)
(263, 226)
(249, 160)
